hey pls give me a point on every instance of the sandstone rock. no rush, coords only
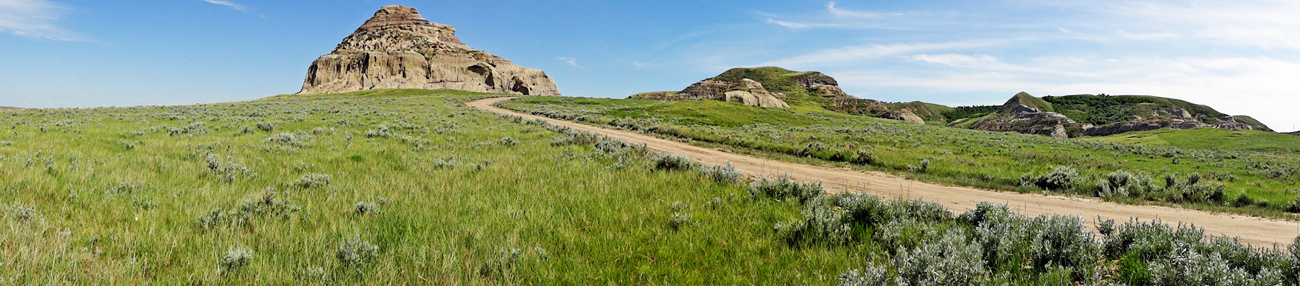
(753, 94)
(397, 48)
(904, 115)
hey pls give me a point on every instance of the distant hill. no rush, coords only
(1297, 133)
(1095, 115)
(794, 87)
(1059, 116)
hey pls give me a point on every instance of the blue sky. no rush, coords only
(1241, 57)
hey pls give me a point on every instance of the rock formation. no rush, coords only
(397, 48)
(1023, 114)
(753, 94)
(904, 115)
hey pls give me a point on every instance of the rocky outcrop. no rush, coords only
(397, 48)
(1297, 133)
(745, 91)
(753, 94)
(1023, 114)
(1174, 118)
(903, 115)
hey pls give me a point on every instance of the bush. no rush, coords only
(309, 181)
(1002, 236)
(1061, 178)
(822, 224)
(235, 259)
(783, 188)
(364, 208)
(723, 174)
(1293, 206)
(1186, 266)
(870, 276)
(925, 166)
(355, 253)
(674, 162)
(678, 220)
(507, 141)
(1151, 240)
(380, 132)
(864, 157)
(287, 138)
(948, 260)
(18, 212)
(1061, 241)
(266, 126)
(1123, 184)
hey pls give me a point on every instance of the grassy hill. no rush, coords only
(794, 87)
(933, 114)
(1105, 109)
(1211, 138)
(1247, 182)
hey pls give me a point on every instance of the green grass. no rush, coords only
(408, 187)
(1212, 138)
(956, 156)
(116, 196)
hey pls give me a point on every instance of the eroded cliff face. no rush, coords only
(398, 48)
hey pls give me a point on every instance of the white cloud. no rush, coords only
(838, 18)
(957, 60)
(232, 5)
(799, 26)
(837, 12)
(856, 55)
(569, 60)
(1147, 36)
(33, 18)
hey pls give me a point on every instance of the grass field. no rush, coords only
(1212, 138)
(1222, 180)
(408, 187)
(447, 195)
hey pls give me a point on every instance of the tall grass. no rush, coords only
(289, 190)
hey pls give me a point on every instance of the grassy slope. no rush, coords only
(1212, 138)
(116, 196)
(966, 157)
(779, 80)
(1035, 102)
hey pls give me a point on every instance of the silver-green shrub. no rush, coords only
(947, 260)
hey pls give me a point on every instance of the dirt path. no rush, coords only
(1253, 230)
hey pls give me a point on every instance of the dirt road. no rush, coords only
(1256, 231)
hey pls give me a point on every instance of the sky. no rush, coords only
(1240, 57)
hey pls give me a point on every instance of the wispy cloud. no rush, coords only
(837, 12)
(835, 17)
(571, 61)
(232, 5)
(857, 55)
(34, 18)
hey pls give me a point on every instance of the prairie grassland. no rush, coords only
(1240, 181)
(384, 187)
(407, 187)
(1212, 138)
